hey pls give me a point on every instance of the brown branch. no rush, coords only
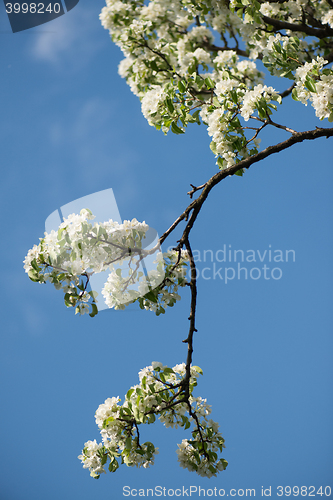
(155, 411)
(283, 127)
(288, 91)
(195, 189)
(269, 121)
(193, 286)
(304, 28)
(196, 204)
(195, 418)
(214, 48)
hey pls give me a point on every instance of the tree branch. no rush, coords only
(196, 205)
(189, 340)
(195, 189)
(288, 91)
(214, 48)
(304, 28)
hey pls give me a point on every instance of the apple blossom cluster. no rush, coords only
(183, 60)
(158, 288)
(315, 84)
(70, 256)
(161, 392)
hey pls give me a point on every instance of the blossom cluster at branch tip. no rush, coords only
(70, 256)
(183, 60)
(160, 393)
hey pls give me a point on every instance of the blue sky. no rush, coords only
(71, 127)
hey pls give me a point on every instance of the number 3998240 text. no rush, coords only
(32, 8)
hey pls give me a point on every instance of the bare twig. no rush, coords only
(195, 189)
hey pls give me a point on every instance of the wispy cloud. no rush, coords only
(68, 39)
(89, 135)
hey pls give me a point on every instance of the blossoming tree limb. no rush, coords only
(188, 61)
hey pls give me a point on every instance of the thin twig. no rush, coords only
(195, 189)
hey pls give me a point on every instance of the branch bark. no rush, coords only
(304, 28)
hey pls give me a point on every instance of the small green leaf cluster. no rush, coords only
(165, 393)
(44, 269)
(283, 58)
(247, 10)
(165, 294)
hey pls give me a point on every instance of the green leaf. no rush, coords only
(128, 443)
(151, 418)
(168, 370)
(170, 105)
(67, 301)
(224, 462)
(153, 66)
(129, 393)
(213, 147)
(33, 275)
(248, 18)
(277, 47)
(210, 84)
(181, 87)
(310, 84)
(294, 95)
(175, 129)
(113, 466)
(136, 414)
(35, 265)
(151, 296)
(287, 74)
(94, 310)
(234, 96)
(220, 162)
(198, 369)
(150, 447)
(127, 410)
(192, 69)
(195, 115)
(239, 172)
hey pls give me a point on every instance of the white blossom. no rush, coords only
(68, 258)
(118, 424)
